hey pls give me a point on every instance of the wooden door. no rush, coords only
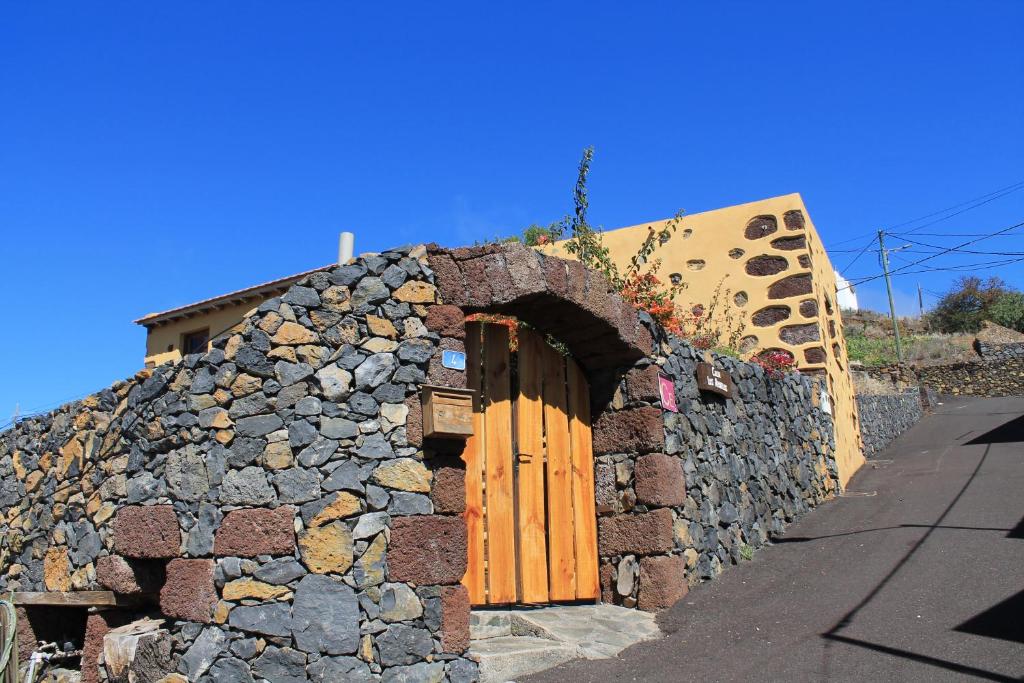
(529, 473)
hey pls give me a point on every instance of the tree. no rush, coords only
(1008, 311)
(967, 304)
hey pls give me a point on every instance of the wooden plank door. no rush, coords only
(529, 473)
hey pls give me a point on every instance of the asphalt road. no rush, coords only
(917, 574)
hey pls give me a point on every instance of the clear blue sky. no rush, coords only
(152, 154)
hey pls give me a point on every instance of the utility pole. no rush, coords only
(888, 287)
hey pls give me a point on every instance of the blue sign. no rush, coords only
(455, 360)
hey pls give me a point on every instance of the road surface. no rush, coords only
(917, 574)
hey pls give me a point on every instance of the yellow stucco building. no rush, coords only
(769, 267)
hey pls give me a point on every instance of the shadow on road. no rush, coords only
(1009, 432)
(1004, 621)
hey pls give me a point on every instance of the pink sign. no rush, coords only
(668, 394)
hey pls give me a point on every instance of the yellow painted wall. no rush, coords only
(711, 249)
(163, 343)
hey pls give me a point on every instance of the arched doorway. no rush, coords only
(531, 519)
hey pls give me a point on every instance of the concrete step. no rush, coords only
(506, 658)
(524, 640)
(488, 623)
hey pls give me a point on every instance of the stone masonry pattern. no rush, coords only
(276, 500)
(263, 479)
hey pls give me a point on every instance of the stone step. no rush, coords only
(506, 658)
(490, 624)
(524, 640)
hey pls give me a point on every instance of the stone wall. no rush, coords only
(679, 504)
(265, 494)
(883, 417)
(994, 352)
(275, 502)
(999, 378)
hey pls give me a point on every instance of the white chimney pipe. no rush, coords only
(346, 246)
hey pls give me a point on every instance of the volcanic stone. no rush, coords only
(662, 582)
(188, 592)
(659, 480)
(325, 616)
(256, 531)
(327, 549)
(642, 534)
(149, 532)
(429, 549)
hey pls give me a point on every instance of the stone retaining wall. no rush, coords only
(883, 417)
(266, 492)
(277, 502)
(678, 505)
(1000, 378)
(994, 352)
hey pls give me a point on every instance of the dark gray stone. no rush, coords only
(206, 648)
(248, 486)
(325, 616)
(230, 670)
(403, 644)
(272, 619)
(280, 665)
(259, 425)
(369, 291)
(290, 373)
(375, 446)
(375, 370)
(280, 571)
(336, 669)
(297, 485)
(416, 350)
(306, 297)
(244, 451)
(338, 428)
(301, 434)
(319, 452)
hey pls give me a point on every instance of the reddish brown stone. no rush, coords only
(439, 375)
(736, 253)
(794, 285)
(189, 593)
(766, 265)
(524, 269)
(659, 480)
(769, 315)
(454, 619)
(815, 355)
(808, 308)
(129, 577)
(761, 226)
(427, 549)
(800, 334)
(478, 291)
(662, 582)
(634, 430)
(446, 320)
(804, 260)
(832, 328)
(642, 384)
(607, 577)
(147, 532)
(447, 277)
(837, 352)
(448, 492)
(790, 243)
(414, 420)
(648, 533)
(98, 625)
(256, 531)
(794, 219)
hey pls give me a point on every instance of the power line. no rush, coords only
(859, 254)
(999, 194)
(901, 270)
(988, 197)
(961, 251)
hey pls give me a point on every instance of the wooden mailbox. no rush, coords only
(447, 412)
